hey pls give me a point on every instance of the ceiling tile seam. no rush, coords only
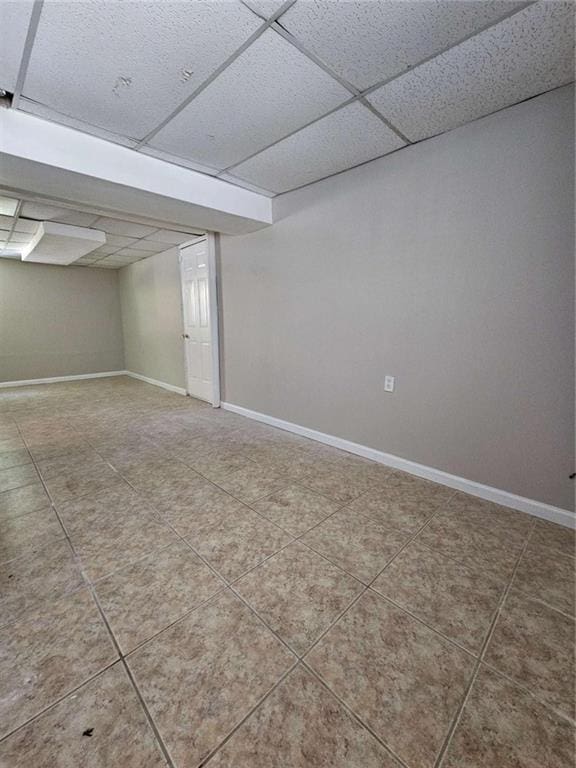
(13, 227)
(362, 94)
(386, 122)
(27, 52)
(217, 72)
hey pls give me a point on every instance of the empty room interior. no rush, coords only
(287, 384)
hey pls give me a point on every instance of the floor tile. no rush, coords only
(216, 465)
(20, 501)
(298, 594)
(57, 447)
(295, 509)
(402, 502)
(534, 645)
(548, 577)
(442, 592)
(101, 725)
(70, 462)
(17, 477)
(28, 533)
(239, 542)
(40, 577)
(14, 458)
(83, 482)
(334, 485)
(399, 677)
(12, 443)
(302, 725)
(193, 508)
(550, 536)
(152, 476)
(252, 484)
(104, 509)
(48, 654)
(506, 727)
(492, 518)
(203, 675)
(484, 552)
(147, 596)
(356, 543)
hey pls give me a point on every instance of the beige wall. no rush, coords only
(449, 265)
(58, 321)
(152, 318)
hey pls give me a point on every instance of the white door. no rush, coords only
(197, 316)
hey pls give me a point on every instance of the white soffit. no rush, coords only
(125, 66)
(269, 91)
(61, 243)
(524, 55)
(367, 42)
(14, 21)
(348, 137)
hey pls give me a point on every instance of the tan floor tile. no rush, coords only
(547, 576)
(101, 725)
(480, 550)
(550, 536)
(534, 645)
(27, 533)
(298, 594)
(193, 508)
(252, 484)
(295, 509)
(70, 462)
(302, 725)
(49, 653)
(57, 447)
(151, 477)
(14, 458)
(335, 485)
(217, 465)
(356, 543)
(20, 501)
(492, 518)
(442, 592)
(202, 676)
(505, 727)
(238, 542)
(104, 509)
(17, 477)
(83, 482)
(152, 593)
(13, 443)
(37, 578)
(403, 502)
(402, 679)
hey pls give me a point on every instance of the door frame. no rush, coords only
(211, 239)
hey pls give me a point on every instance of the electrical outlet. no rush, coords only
(388, 383)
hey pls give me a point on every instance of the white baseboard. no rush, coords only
(55, 379)
(156, 383)
(521, 503)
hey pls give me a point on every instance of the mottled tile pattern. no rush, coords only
(298, 594)
(442, 592)
(394, 672)
(202, 676)
(49, 653)
(277, 602)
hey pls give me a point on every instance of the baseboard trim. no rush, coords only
(156, 383)
(56, 379)
(520, 503)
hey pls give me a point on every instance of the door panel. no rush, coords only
(196, 299)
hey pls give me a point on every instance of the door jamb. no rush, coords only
(212, 243)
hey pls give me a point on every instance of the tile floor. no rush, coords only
(181, 586)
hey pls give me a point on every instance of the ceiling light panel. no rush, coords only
(8, 206)
(126, 228)
(522, 56)
(61, 243)
(14, 20)
(348, 137)
(366, 42)
(125, 66)
(269, 91)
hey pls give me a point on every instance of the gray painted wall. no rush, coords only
(449, 265)
(58, 321)
(152, 318)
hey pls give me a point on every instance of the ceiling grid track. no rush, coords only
(28, 45)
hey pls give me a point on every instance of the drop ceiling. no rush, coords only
(127, 241)
(270, 95)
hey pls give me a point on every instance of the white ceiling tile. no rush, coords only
(104, 250)
(121, 241)
(366, 42)
(264, 8)
(124, 66)
(26, 225)
(269, 91)
(522, 56)
(170, 237)
(131, 252)
(8, 206)
(120, 227)
(6, 222)
(21, 237)
(175, 160)
(152, 247)
(14, 20)
(348, 137)
(246, 184)
(77, 218)
(42, 211)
